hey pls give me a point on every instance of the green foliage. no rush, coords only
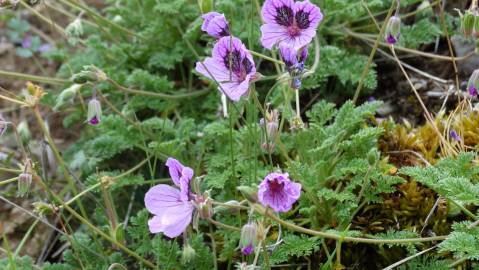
(294, 246)
(463, 241)
(454, 178)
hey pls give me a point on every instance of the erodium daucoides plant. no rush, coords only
(217, 135)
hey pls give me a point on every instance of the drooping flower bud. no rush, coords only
(67, 96)
(205, 5)
(44, 209)
(249, 193)
(294, 62)
(74, 31)
(373, 156)
(473, 83)
(468, 23)
(270, 124)
(24, 183)
(89, 74)
(248, 240)
(393, 30)
(215, 24)
(24, 131)
(188, 253)
(94, 112)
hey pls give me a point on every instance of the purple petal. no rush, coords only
(391, 40)
(278, 12)
(248, 249)
(207, 19)
(27, 42)
(303, 54)
(288, 54)
(45, 48)
(186, 175)
(175, 168)
(235, 91)
(213, 69)
(307, 15)
(161, 197)
(272, 34)
(94, 121)
(218, 27)
(173, 221)
(278, 192)
(473, 91)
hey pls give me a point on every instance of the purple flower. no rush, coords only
(393, 30)
(215, 24)
(172, 208)
(248, 239)
(454, 135)
(233, 70)
(27, 42)
(44, 48)
(289, 22)
(278, 192)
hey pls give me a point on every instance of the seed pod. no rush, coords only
(94, 112)
(67, 96)
(393, 30)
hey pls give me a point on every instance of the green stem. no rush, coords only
(266, 57)
(4, 182)
(371, 55)
(33, 78)
(334, 236)
(160, 95)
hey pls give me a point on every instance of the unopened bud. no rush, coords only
(24, 131)
(43, 209)
(393, 30)
(94, 112)
(74, 31)
(271, 126)
(467, 23)
(248, 240)
(89, 74)
(24, 183)
(188, 253)
(249, 193)
(204, 206)
(67, 96)
(473, 83)
(205, 5)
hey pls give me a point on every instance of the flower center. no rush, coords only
(276, 186)
(294, 30)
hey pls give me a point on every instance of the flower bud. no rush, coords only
(188, 253)
(393, 30)
(43, 209)
(473, 83)
(248, 240)
(67, 96)
(24, 131)
(89, 74)
(468, 23)
(453, 134)
(205, 5)
(249, 193)
(94, 112)
(24, 183)
(204, 206)
(271, 125)
(74, 31)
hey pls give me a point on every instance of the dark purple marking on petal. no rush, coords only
(94, 121)
(302, 19)
(247, 65)
(473, 91)
(247, 250)
(391, 40)
(235, 58)
(284, 16)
